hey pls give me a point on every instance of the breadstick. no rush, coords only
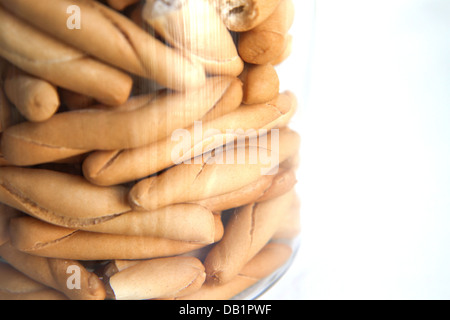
(59, 198)
(261, 83)
(70, 201)
(248, 231)
(113, 38)
(286, 52)
(36, 99)
(158, 278)
(69, 133)
(270, 259)
(120, 4)
(267, 41)
(6, 213)
(265, 188)
(59, 63)
(113, 167)
(55, 273)
(290, 226)
(195, 28)
(213, 175)
(243, 15)
(39, 238)
(17, 286)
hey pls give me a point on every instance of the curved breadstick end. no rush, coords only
(267, 41)
(14, 285)
(120, 5)
(6, 213)
(56, 274)
(158, 278)
(36, 99)
(195, 28)
(261, 83)
(184, 222)
(215, 174)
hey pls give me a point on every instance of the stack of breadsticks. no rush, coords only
(145, 148)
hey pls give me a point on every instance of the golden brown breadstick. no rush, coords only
(248, 231)
(230, 101)
(158, 278)
(14, 285)
(77, 132)
(114, 167)
(56, 273)
(6, 213)
(267, 41)
(111, 37)
(227, 170)
(243, 15)
(265, 188)
(272, 257)
(70, 201)
(261, 83)
(287, 51)
(39, 238)
(59, 198)
(59, 63)
(185, 222)
(195, 28)
(120, 4)
(36, 99)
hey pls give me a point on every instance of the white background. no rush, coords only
(374, 93)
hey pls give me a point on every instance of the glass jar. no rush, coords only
(149, 148)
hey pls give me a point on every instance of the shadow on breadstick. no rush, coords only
(265, 188)
(36, 99)
(261, 83)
